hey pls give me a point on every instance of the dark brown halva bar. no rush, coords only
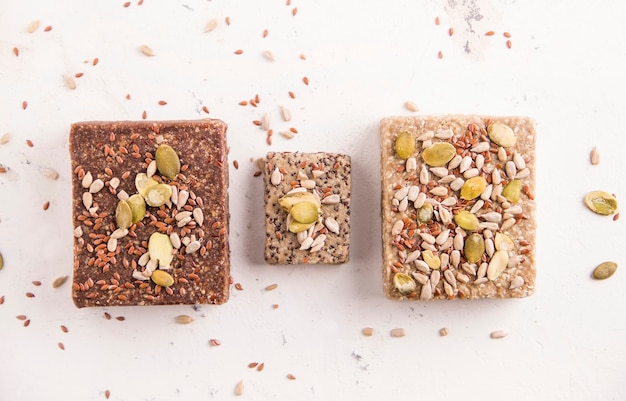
(322, 180)
(110, 262)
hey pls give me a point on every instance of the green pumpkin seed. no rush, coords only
(512, 191)
(473, 188)
(137, 207)
(158, 195)
(162, 278)
(123, 215)
(425, 213)
(143, 183)
(288, 201)
(438, 154)
(604, 270)
(167, 161)
(498, 263)
(404, 283)
(474, 248)
(405, 145)
(466, 220)
(297, 227)
(160, 248)
(502, 242)
(431, 260)
(305, 212)
(601, 202)
(501, 134)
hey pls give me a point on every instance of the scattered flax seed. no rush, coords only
(302, 57)
(3, 170)
(294, 11)
(265, 32)
(183, 319)
(24, 105)
(616, 217)
(253, 365)
(120, 318)
(443, 332)
(214, 342)
(144, 115)
(398, 332)
(59, 281)
(227, 20)
(239, 286)
(437, 21)
(32, 27)
(594, 156)
(16, 51)
(236, 164)
(294, 130)
(30, 295)
(411, 106)
(292, 95)
(243, 103)
(36, 283)
(239, 388)
(238, 51)
(107, 316)
(275, 306)
(64, 329)
(490, 33)
(269, 55)
(127, 4)
(440, 55)
(367, 331)
(107, 394)
(20, 317)
(162, 102)
(145, 49)
(509, 44)
(78, 74)
(29, 143)
(95, 61)
(451, 31)
(506, 34)
(61, 346)
(205, 109)
(1, 299)
(260, 367)
(498, 334)
(305, 80)
(211, 25)
(49, 173)
(46, 205)
(47, 29)
(26, 322)
(290, 376)
(271, 287)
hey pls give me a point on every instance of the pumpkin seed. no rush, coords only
(297, 227)
(473, 188)
(137, 207)
(474, 248)
(167, 161)
(305, 212)
(1, 262)
(123, 215)
(425, 213)
(438, 154)
(162, 278)
(501, 134)
(158, 195)
(601, 202)
(289, 200)
(143, 183)
(160, 248)
(503, 242)
(405, 145)
(431, 260)
(498, 263)
(604, 270)
(404, 283)
(466, 220)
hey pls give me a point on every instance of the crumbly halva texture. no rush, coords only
(113, 264)
(458, 209)
(323, 179)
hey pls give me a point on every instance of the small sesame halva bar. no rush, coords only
(458, 209)
(150, 212)
(307, 208)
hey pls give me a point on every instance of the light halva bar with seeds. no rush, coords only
(150, 213)
(307, 208)
(458, 209)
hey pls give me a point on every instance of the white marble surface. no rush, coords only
(363, 60)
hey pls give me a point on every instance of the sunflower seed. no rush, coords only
(412, 257)
(477, 206)
(411, 164)
(469, 268)
(463, 278)
(266, 122)
(455, 162)
(198, 216)
(411, 106)
(487, 192)
(494, 217)
(444, 134)
(239, 388)
(193, 247)
(522, 173)
(448, 289)
(119, 233)
(435, 276)
(510, 169)
(439, 191)
(479, 161)
(87, 199)
(401, 193)
(144, 259)
(457, 184)
(59, 281)
(152, 168)
(285, 113)
(427, 292)
(331, 199)
(318, 240)
(49, 173)
(318, 173)
(471, 173)
(78, 232)
(420, 200)
(480, 281)
(414, 191)
(465, 164)
(426, 136)
(428, 238)
(449, 276)
(421, 278)
(182, 215)
(112, 244)
(422, 266)
(269, 55)
(502, 156)
(183, 196)
(5, 138)
(489, 246)
(445, 216)
(455, 257)
(424, 176)
(87, 180)
(499, 261)
(184, 222)
(317, 247)
(32, 27)
(439, 171)
(496, 178)
(480, 147)
(332, 225)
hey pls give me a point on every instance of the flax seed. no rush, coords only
(294, 11)
(214, 342)
(509, 44)
(46, 205)
(238, 51)
(305, 80)
(253, 365)
(238, 286)
(437, 21)
(451, 31)
(506, 34)
(205, 109)
(265, 32)
(107, 394)
(30, 295)
(162, 102)
(95, 61)
(61, 346)
(292, 95)
(24, 105)
(260, 367)
(440, 55)
(64, 329)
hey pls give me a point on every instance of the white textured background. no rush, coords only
(364, 59)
